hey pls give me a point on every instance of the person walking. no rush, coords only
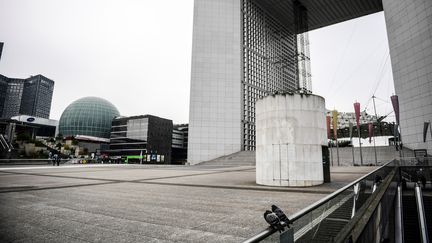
(54, 159)
(58, 160)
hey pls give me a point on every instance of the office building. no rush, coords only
(33, 126)
(179, 143)
(146, 135)
(240, 53)
(245, 49)
(344, 118)
(37, 96)
(31, 96)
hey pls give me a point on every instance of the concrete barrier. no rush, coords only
(384, 155)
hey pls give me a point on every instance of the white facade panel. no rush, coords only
(409, 29)
(215, 103)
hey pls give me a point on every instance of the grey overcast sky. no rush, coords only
(136, 54)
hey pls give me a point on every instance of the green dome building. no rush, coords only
(91, 116)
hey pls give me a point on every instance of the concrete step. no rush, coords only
(235, 159)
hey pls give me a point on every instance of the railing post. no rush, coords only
(399, 230)
(421, 214)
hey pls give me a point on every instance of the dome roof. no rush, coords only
(90, 116)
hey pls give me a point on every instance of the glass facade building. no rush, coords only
(147, 135)
(89, 116)
(179, 143)
(31, 96)
(37, 96)
(269, 63)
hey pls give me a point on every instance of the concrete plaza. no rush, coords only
(145, 203)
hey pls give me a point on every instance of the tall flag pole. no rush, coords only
(351, 136)
(395, 103)
(328, 121)
(335, 121)
(372, 130)
(357, 114)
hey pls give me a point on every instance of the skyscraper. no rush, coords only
(245, 49)
(11, 96)
(31, 96)
(240, 54)
(37, 96)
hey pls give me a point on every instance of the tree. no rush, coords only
(38, 143)
(58, 145)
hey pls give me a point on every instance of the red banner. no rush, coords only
(395, 103)
(357, 113)
(371, 132)
(328, 120)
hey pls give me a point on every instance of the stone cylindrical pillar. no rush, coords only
(290, 133)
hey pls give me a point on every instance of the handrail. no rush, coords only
(269, 231)
(399, 229)
(320, 202)
(261, 236)
(421, 214)
(356, 225)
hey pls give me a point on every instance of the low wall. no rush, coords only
(384, 155)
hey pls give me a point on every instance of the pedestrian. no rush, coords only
(54, 159)
(58, 160)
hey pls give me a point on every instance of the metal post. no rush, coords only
(352, 148)
(376, 118)
(337, 152)
(399, 230)
(355, 197)
(361, 153)
(421, 214)
(331, 153)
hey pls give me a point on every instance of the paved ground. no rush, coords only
(133, 203)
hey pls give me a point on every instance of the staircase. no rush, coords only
(242, 158)
(4, 144)
(410, 217)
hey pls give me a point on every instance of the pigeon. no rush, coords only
(273, 220)
(281, 215)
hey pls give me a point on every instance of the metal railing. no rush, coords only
(376, 202)
(311, 216)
